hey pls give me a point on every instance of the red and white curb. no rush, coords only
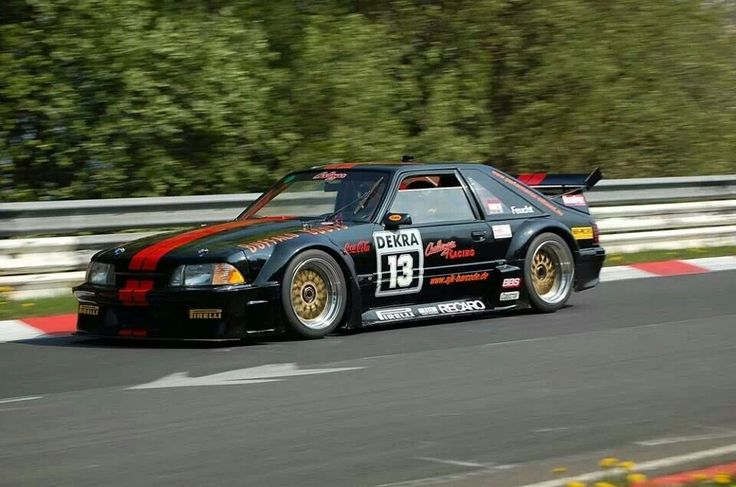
(28, 328)
(668, 268)
(682, 479)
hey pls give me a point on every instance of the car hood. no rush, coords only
(212, 243)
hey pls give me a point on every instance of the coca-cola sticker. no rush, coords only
(362, 247)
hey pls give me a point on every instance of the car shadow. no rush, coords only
(132, 343)
(72, 341)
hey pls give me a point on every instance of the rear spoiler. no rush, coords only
(565, 188)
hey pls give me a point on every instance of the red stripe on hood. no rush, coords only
(126, 293)
(148, 258)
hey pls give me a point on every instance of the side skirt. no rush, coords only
(443, 309)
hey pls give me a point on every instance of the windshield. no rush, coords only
(341, 195)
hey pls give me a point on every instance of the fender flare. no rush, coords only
(533, 227)
(273, 271)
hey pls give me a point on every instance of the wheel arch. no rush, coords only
(523, 238)
(352, 318)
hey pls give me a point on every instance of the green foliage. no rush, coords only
(102, 98)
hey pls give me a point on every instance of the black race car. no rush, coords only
(350, 246)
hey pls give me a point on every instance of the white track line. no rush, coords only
(19, 399)
(643, 467)
(458, 463)
(685, 439)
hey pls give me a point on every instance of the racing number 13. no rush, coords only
(406, 263)
(399, 262)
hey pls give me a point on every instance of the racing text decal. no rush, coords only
(447, 250)
(459, 278)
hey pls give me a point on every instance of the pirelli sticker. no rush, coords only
(89, 309)
(205, 314)
(582, 233)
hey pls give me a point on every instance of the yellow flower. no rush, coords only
(28, 305)
(604, 484)
(628, 465)
(608, 462)
(636, 478)
(559, 470)
(722, 478)
(575, 483)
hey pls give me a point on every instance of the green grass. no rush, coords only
(10, 310)
(657, 255)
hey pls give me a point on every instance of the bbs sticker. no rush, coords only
(399, 262)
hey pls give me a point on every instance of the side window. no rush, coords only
(495, 199)
(432, 198)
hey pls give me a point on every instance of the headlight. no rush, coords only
(100, 273)
(206, 275)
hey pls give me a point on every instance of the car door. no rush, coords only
(443, 254)
(505, 210)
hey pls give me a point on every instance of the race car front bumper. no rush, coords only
(216, 313)
(588, 264)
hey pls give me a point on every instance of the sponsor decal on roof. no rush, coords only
(509, 296)
(535, 196)
(330, 175)
(447, 250)
(362, 247)
(582, 233)
(459, 278)
(574, 200)
(522, 210)
(493, 206)
(501, 231)
(511, 283)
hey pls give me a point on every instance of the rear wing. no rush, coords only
(565, 188)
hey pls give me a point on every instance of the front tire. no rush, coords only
(314, 294)
(549, 272)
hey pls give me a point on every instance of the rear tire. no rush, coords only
(314, 294)
(549, 272)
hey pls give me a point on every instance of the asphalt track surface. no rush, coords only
(494, 401)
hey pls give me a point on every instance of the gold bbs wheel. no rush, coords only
(308, 294)
(549, 272)
(314, 293)
(544, 271)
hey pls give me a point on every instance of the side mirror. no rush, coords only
(395, 220)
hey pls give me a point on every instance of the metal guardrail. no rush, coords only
(633, 215)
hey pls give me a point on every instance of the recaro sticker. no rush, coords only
(399, 262)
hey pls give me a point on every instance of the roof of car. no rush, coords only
(395, 166)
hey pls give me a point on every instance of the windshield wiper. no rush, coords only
(360, 202)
